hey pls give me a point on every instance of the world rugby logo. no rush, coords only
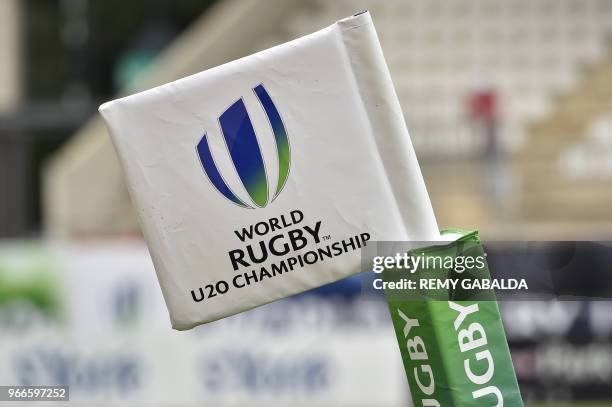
(245, 153)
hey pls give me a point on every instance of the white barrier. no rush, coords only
(90, 315)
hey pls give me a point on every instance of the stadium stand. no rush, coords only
(547, 60)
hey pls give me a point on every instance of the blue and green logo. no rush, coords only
(245, 153)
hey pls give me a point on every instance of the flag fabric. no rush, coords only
(264, 177)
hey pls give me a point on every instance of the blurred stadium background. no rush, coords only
(509, 106)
